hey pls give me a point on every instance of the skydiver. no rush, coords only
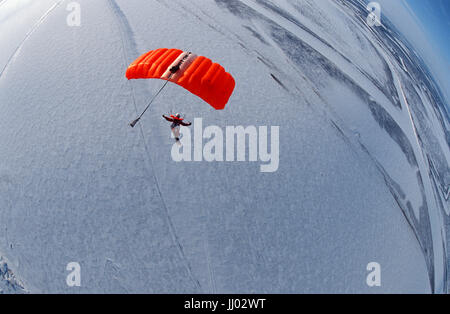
(176, 120)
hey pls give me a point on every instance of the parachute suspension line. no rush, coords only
(132, 124)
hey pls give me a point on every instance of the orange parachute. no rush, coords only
(197, 74)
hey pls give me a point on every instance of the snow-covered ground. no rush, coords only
(364, 152)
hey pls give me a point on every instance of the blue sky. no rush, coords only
(426, 25)
(434, 15)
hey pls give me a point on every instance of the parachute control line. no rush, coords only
(197, 74)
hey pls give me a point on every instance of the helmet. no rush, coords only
(178, 115)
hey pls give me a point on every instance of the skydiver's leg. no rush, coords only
(176, 133)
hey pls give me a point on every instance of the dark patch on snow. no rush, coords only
(256, 35)
(8, 282)
(278, 81)
(396, 133)
(237, 8)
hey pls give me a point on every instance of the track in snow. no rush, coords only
(30, 32)
(130, 53)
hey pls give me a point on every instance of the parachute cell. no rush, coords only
(197, 74)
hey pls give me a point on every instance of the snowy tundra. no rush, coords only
(363, 167)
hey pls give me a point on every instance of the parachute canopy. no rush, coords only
(197, 74)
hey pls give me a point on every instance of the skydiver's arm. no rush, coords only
(167, 118)
(185, 123)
